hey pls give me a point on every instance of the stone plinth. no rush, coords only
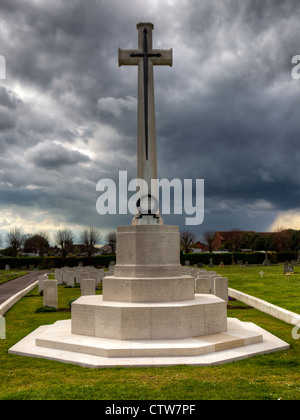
(159, 289)
(206, 314)
(148, 266)
(148, 297)
(148, 251)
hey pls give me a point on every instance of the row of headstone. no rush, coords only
(89, 279)
(208, 282)
(71, 276)
(189, 271)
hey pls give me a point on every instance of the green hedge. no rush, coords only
(55, 262)
(104, 260)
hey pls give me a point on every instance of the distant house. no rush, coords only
(199, 247)
(81, 251)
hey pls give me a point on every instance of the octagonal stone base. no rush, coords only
(91, 316)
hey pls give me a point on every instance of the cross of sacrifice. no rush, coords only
(145, 57)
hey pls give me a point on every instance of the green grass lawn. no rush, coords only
(267, 377)
(7, 275)
(274, 286)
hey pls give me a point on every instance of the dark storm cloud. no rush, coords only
(227, 111)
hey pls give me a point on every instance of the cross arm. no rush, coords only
(165, 58)
(126, 58)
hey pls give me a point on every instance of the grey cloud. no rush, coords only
(8, 99)
(52, 156)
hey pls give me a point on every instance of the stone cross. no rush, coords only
(145, 57)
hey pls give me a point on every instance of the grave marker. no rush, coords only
(50, 294)
(88, 287)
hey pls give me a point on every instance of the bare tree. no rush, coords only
(90, 237)
(209, 236)
(187, 240)
(15, 239)
(64, 238)
(111, 239)
(44, 234)
(236, 240)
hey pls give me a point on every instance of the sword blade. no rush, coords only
(145, 63)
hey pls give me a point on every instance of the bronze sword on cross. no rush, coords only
(146, 54)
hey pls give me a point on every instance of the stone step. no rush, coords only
(60, 338)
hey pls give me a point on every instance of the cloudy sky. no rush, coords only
(226, 112)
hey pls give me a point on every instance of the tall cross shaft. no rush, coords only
(145, 57)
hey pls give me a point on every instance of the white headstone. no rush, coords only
(71, 279)
(201, 272)
(88, 287)
(2, 328)
(58, 275)
(50, 293)
(221, 288)
(204, 285)
(41, 282)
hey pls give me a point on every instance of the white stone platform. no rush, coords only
(240, 341)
